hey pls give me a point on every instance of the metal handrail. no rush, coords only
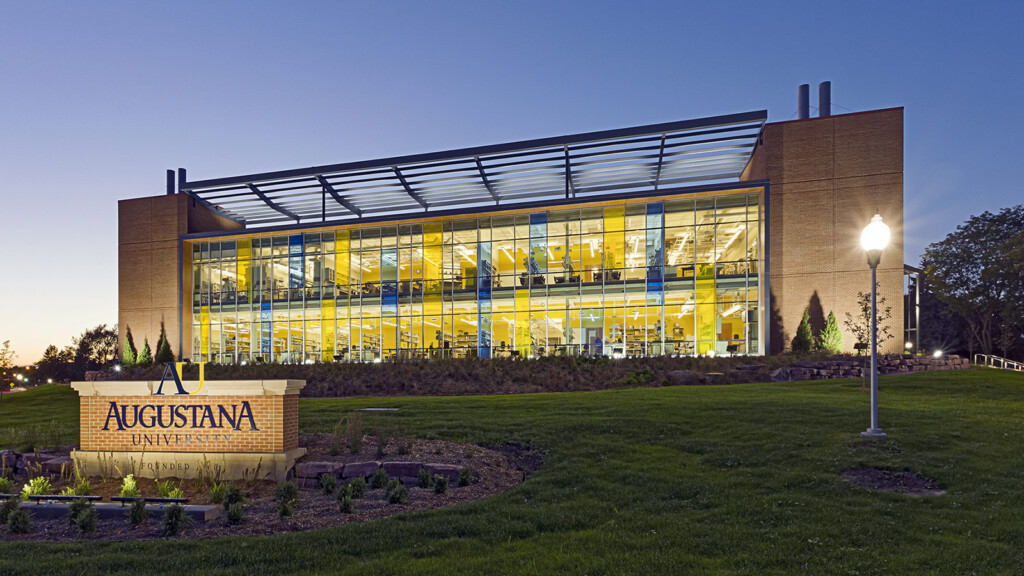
(991, 361)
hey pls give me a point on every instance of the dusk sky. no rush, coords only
(98, 99)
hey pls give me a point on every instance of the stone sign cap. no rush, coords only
(195, 388)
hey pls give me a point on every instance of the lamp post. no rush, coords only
(874, 239)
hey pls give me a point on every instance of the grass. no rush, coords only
(39, 418)
(739, 479)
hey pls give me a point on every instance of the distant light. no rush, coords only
(908, 345)
(17, 376)
(117, 368)
(49, 380)
(875, 235)
(711, 353)
(937, 354)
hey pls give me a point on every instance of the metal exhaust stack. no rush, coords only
(171, 189)
(825, 99)
(803, 101)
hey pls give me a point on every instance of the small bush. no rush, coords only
(137, 512)
(354, 431)
(129, 488)
(404, 446)
(20, 521)
(396, 492)
(36, 487)
(804, 339)
(6, 507)
(164, 489)
(86, 520)
(440, 484)
(327, 483)
(286, 494)
(175, 520)
(176, 493)
(75, 508)
(466, 476)
(378, 479)
(233, 495)
(345, 504)
(235, 512)
(423, 478)
(217, 492)
(358, 486)
(6, 485)
(83, 488)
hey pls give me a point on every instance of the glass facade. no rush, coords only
(680, 275)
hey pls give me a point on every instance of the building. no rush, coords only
(693, 237)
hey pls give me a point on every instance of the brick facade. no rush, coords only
(827, 177)
(149, 265)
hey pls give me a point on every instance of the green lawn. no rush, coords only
(705, 480)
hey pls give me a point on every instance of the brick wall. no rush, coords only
(269, 412)
(149, 264)
(827, 177)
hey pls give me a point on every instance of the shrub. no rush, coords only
(404, 446)
(7, 507)
(175, 520)
(358, 487)
(129, 488)
(354, 431)
(379, 478)
(6, 485)
(83, 488)
(327, 483)
(36, 487)
(137, 512)
(77, 507)
(164, 489)
(86, 520)
(423, 479)
(217, 492)
(466, 476)
(345, 502)
(286, 494)
(233, 495)
(804, 339)
(396, 492)
(176, 493)
(440, 484)
(235, 512)
(830, 340)
(20, 521)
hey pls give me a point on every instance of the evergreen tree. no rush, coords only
(831, 338)
(146, 356)
(804, 339)
(129, 354)
(163, 348)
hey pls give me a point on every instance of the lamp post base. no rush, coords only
(874, 434)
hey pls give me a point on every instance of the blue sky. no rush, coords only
(98, 99)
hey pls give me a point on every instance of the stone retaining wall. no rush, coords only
(855, 367)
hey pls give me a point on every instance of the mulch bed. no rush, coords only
(496, 469)
(902, 481)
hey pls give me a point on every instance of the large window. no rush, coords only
(680, 275)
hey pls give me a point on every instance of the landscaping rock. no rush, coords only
(26, 461)
(364, 469)
(315, 469)
(400, 469)
(683, 378)
(449, 471)
(56, 466)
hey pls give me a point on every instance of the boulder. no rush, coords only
(683, 377)
(449, 471)
(315, 469)
(27, 461)
(402, 469)
(56, 466)
(364, 469)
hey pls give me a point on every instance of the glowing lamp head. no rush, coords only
(117, 368)
(875, 235)
(937, 354)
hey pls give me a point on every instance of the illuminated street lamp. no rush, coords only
(874, 239)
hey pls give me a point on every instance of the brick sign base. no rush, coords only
(232, 429)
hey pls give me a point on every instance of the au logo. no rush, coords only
(174, 369)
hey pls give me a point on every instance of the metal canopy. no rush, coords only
(586, 166)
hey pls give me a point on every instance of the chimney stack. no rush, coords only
(803, 101)
(170, 183)
(825, 99)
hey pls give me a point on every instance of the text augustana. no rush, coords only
(127, 416)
